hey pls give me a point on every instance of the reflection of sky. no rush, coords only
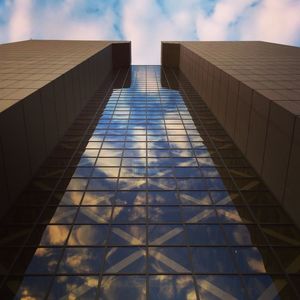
(205, 196)
(128, 117)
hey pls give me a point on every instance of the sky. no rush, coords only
(148, 22)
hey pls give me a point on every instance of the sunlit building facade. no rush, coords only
(144, 195)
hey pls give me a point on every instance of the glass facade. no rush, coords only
(147, 197)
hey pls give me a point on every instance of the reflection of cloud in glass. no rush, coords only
(136, 138)
(111, 153)
(135, 145)
(169, 260)
(81, 260)
(133, 172)
(105, 172)
(195, 198)
(230, 214)
(131, 198)
(74, 287)
(94, 214)
(86, 161)
(135, 153)
(171, 287)
(161, 183)
(71, 198)
(102, 184)
(132, 184)
(44, 260)
(98, 198)
(220, 287)
(88, 235)
(128, 235)
(54, 235)
(134, 162)
(129, 214)
(121, 287)
(178, 138)
(256, 260)
(180, 145)
(162, 161)
(63, 215)
(77, 184)
(181, 153)
(90, 153)
(108, 161)
(32, 287)
(125, 260)
(256, 265)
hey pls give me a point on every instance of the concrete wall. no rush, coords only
(31, 127)
(253, 89)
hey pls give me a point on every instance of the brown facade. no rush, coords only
(44, 85)
(253, 88)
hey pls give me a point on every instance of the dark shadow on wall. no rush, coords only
(38, 203)
(236, 177)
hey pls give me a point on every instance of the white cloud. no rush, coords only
(58, 20)
(146, 25)
(20, 20)
(218, 25)
(274, 21)
(143, 24)
(147, 22)
(268, 20)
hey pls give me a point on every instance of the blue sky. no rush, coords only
(147, 22)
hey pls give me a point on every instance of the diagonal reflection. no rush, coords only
(81, 290)
(149, 144)
(215, 290)
(175, 266)
(126, 236)
(95, 216)
(126, 262)
(159, 241)
(167, 236)
(273, 290)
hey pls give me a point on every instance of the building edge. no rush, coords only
(33, 126)
(272, 147)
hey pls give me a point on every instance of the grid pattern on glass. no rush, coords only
(148, 196)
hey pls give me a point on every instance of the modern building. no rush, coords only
(44, 85)
(176, 181)
(253, 90)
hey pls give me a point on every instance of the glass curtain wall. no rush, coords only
(147, 197)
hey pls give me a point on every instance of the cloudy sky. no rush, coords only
(147, 22)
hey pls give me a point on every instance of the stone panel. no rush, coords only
(291, 200)
(15, 150)
(37, 109)
(277, 149)
(256, 98)
(258, 131)
(35, 131)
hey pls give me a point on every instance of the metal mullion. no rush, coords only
(147, 198)
(53, 190)
(183, 222)
(106, 247)
(209, 137)
(78, 208)
(246, 204)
